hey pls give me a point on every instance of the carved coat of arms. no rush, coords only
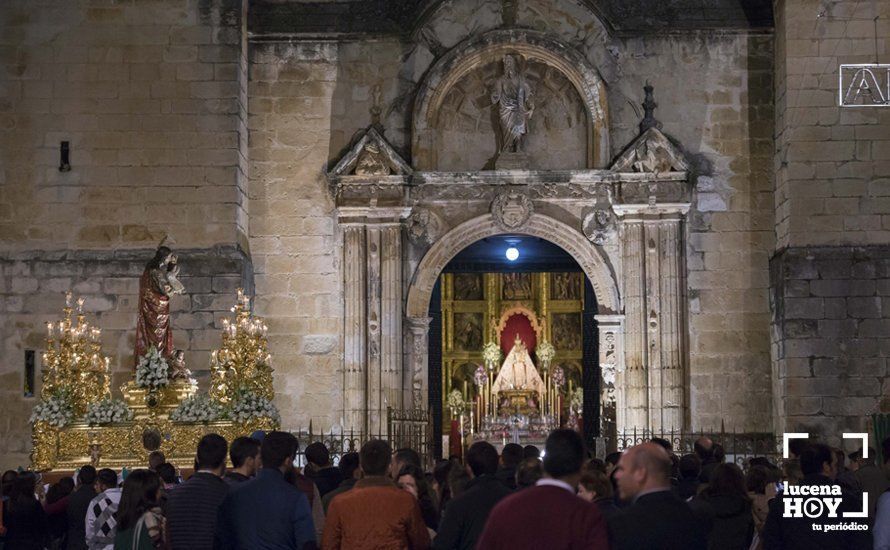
(511, 210)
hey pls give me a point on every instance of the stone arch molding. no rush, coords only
(493, 45)
(538, 225)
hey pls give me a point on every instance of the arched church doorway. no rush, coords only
(513, 346)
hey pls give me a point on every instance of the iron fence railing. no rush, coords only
(403, 429)
(738, 446)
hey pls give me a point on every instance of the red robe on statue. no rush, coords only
(153, 324)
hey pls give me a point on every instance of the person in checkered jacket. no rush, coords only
(100, 523)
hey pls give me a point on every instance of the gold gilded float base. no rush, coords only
(127, 444)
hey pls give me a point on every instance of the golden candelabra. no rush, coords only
(73, 360)
(242, 363)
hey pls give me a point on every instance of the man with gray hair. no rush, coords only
(644, 479)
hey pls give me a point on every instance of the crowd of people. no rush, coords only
(646, 497)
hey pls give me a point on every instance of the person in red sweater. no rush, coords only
(549, 515)
(375, 514)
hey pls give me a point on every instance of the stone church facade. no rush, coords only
(332, 158)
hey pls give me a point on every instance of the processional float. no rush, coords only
(78, 421)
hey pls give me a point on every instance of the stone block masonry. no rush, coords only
(32, 287)
(151, 97)
(831, 337)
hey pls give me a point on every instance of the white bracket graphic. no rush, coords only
(786, 436)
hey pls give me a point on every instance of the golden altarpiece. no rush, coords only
(520, 315)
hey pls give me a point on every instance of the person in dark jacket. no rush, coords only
(819, 467)
(319, 469)
(56, 507)
(413, 480)
(23, 516)
(689, 482)
(656, 518)
(267, 511)
(465, 516)
(351, 472)
(725, 504)
(245, 456)
(78, 503)
(511, 456)
(193, 507)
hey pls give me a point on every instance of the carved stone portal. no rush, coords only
(511, 210)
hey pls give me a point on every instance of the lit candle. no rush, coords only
(68, 299)
(80, 305)
(49, 331)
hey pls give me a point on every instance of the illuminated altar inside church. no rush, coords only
(512, 355)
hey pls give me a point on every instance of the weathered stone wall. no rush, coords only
(832, 206)
(32, 293)
(294, 243)
(832, 319)
(147, 94)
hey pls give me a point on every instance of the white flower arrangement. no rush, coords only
(491, 354)
(456, 402)
(55, 411)
(197, 408)
(576, 401)
(152, 370)
(545, 352)
(248, 405)
(108, 411)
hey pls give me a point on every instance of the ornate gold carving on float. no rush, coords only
(73, 359)
(76, 383)
(242, 363)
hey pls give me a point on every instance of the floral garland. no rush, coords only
(491, 354)
(152, 370)
(247, 405)
(55, 411)
(456, 402)
(545, 352)
(197, 408)
(108, 411)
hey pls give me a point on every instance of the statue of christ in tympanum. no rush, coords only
(518, 372)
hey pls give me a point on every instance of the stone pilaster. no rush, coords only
(666, 323)
(416, 359)
(355, 336)
(633, 404)
(651, 393)
(375, 384)
(391, 316)
(611, 360)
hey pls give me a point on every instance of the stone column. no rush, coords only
(375, 384)
(611, 359)
(354, 338)
(391, 316)
(652, 392)
(416, 359)
(670, 336)
(633, 405)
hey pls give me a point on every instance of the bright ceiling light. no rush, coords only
(512, 253)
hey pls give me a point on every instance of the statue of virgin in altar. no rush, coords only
(518, 372)
(158, 283)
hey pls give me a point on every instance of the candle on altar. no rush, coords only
(49, 331)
